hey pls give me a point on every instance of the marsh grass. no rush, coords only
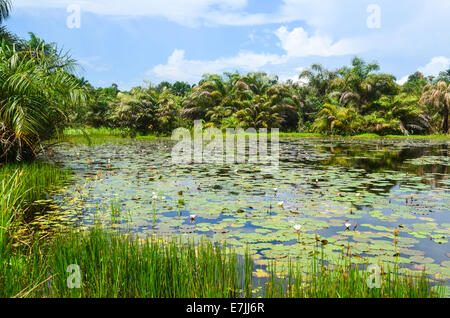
(21, 185)
(121, 265)
(342, 279)
(32, 181)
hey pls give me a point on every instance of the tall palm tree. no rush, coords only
(439, 97)
(5, 9)
(337, 119)
(35, 97)
(210, 93)
(318, 79)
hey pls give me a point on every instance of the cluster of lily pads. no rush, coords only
(378, 201)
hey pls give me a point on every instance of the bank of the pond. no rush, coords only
(22, 187)
(83, 134)
(101, 263)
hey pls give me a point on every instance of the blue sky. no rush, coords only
(129, 42)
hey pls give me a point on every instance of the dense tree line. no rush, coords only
(351, 100)
(41, 94)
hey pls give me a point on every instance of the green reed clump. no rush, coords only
(10, 201)
(36, 179)
(20, 186)
(94, 132)
(120, 265)
(115, 265)
(347, 280)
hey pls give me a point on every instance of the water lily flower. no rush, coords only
(281, 204)
(358, 195)
(163, 198)
(298, 227)
(192, 217)
(154, 197)
(396, 232)
(275, 189)
(347, 225)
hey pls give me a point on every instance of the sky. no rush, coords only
(138, 41)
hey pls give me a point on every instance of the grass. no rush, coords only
(20, 186)
(32, 181)
(102, 134)
(119, 265)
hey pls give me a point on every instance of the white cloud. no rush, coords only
(184, 12)
(91, 62)
(179, 68)
(435, 66)
(403, 80)
(293, 76)
(298, 43)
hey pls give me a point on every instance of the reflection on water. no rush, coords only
(377, 186)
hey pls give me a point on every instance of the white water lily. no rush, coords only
(280, 204)
(154, 197)
(358, 195)
(193, 216)
(347, 225)
(163, 198)
(275, 189)
(298, 227)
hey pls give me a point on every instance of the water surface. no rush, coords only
(322, 182)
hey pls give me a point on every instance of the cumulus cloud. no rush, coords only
(297, 43)
(184, 12)
(435, 66)
(180, 68)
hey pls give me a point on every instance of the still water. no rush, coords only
(376, 186)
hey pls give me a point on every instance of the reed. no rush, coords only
(34, 180)
(20, 186)
(121, 265)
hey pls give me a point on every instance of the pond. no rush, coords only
(377, 186)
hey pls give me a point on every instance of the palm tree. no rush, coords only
(318, 79)
(439, 97)
(357, 86)
(208, 94)
(36, 95)
(5, 9)
(258, 113)
(337, 119)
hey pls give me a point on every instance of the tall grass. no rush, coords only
(347, 280)
(94, 132)
(20, 186)
(33, 181)
(10, 201)
(119, 265)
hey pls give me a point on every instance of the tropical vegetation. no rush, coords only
(43, 99)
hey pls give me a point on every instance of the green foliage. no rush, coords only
(20, 186)
(115, 265)
(38, 90)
